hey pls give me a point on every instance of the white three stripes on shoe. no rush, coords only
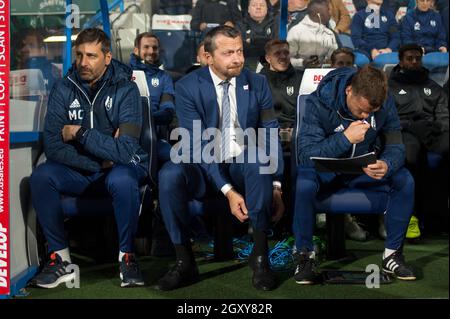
(392, 265)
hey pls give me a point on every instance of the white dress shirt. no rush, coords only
(235, 148)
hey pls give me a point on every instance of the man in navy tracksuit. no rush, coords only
(375, 33)
(91, 140)
(344, 117)
(145, 57)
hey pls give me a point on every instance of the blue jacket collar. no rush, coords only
(137, 64)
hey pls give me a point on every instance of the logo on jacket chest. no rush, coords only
(108, 103)
(340, 128)
(417, 26)
(155, 82)
(289, 90)
(433, 23)
(427, 91)
(75, 112)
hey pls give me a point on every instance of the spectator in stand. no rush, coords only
(392, 5)
(211, 13)
(297, 10)
(256, 28)
(311, 42)
(424, 26)
(375, 35)
(274, 6)
(340, 18)
(32, 55)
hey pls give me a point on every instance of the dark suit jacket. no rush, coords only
(196, 99)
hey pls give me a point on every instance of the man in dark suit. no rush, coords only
(223, 96)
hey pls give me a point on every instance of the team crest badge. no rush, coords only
(289, 90)
(433, 23)
(427, 91)
(155, 82)
(108, 103)
(384, 19)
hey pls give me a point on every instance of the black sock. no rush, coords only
(260, 239)
(184, 252)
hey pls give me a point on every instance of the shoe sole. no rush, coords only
(305, 282)
(388, 272)
(60, 280)
(129, 284)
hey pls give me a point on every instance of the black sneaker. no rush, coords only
(395, 265)
(305, 271)
(180, 275)
(130, 274)
(53, 273)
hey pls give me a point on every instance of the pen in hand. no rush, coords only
(365, 122)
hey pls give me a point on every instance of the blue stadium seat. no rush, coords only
(345, 41)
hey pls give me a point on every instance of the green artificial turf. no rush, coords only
(233, 279)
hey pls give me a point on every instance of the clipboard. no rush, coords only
(351, 165)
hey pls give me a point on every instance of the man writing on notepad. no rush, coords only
(351, 114)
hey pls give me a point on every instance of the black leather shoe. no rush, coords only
(180, 275)
(263, 277)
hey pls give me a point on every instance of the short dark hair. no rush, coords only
(347, 51)
(271, 43)
(137, 41)
(409, 47)
(94, 35)
(224, 30)
(314, 4)
(370, 83)
(199, 46)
